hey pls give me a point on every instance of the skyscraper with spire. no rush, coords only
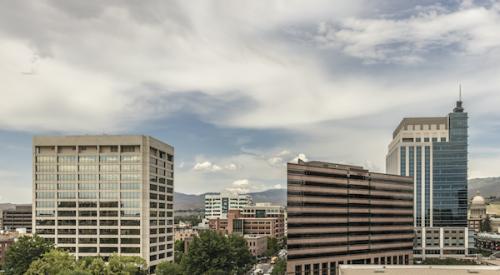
(433, 151)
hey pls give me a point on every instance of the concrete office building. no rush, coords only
(218, 205)
(433, 151)
(257, 244)
(17, 217)
(343, 214)
(98, 195)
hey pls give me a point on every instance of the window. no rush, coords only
(87, 240)
(87, 195)
(131, 186)
(46, 168)
(87, 204)
(131, 168)
(110, 177)
(109, 240)
(110, 168)
(45, 204)
(130, 250)
(68, 177)
(109, 158)
(109, 186)
(67, 159)
(130, 222)
(108, 213)
(130, 195)
(88, 168)
(66, 195)
(109, 249)
(108, 222)
(107, 231)
(45, 213)
(88, 177)
(109, 195)
(88, 231)
(87, 222)
(88, 186)
(88, 159)
(67, 168)
(66, 186)
(46, 159)
(131, 158)
(130, 204)
(109, 204)
(46, 186)
(131, 176)
(130, 213)
(87, 249)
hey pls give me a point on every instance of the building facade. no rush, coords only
(20, 216)
(257, 244)
(433, 151)
(98, 195)
(218, 205)
(236, 223)
(342, 214)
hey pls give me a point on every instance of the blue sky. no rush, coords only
(239, 88)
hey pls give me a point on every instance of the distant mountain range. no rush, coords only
(190, 202)
(487, 187)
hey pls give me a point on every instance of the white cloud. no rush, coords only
(300, 156)
(206, 166)
(243, 182)
(468, 30)
(231, 166)
(277, 186)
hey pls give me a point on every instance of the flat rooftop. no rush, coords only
(418, 269)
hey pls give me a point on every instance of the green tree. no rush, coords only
(485, 225)
(94, 265)
(213, 253)
(22, 253)
(207, 252)
(168, 268)
(53, 262)
(279, 267)
(241, 258)
(273, 246)
(128, 265)
(178, 251)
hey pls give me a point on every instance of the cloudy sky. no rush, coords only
(241, 87)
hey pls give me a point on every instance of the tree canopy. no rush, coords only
(168, 268)
(213, 253)
(23, 252)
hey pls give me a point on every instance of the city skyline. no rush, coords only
(239, 95)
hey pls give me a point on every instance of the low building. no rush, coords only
(477, 213)
(257, 244)
(17, 217)
(238, 224)
(181, 233)
(418, 270)
(495, 224)
(488, 241)
(437, 242)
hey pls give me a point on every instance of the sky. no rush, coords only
(240, 88)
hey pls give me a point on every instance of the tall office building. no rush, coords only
(343, 214)
(218, 205)
(98, 195)
(433, 151)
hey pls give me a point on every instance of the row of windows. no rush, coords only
(348, 205)
(358, 242)
(88, 213)
(89, 186)
(346, 233)
(89, 168)
(87, 222)
(349, 224)
(352, 196)
(88, 195)
(347, 253)
(95, 240)
(87, 177)
(88, 159)
(88, 231)
(350, 186)
(343, 176)
(123, 250)
(346, 215)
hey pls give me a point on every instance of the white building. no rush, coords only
(217, 205)
(98, 195)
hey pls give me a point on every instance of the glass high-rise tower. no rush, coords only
(433, 151)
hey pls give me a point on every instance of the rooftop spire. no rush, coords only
(459, 108)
